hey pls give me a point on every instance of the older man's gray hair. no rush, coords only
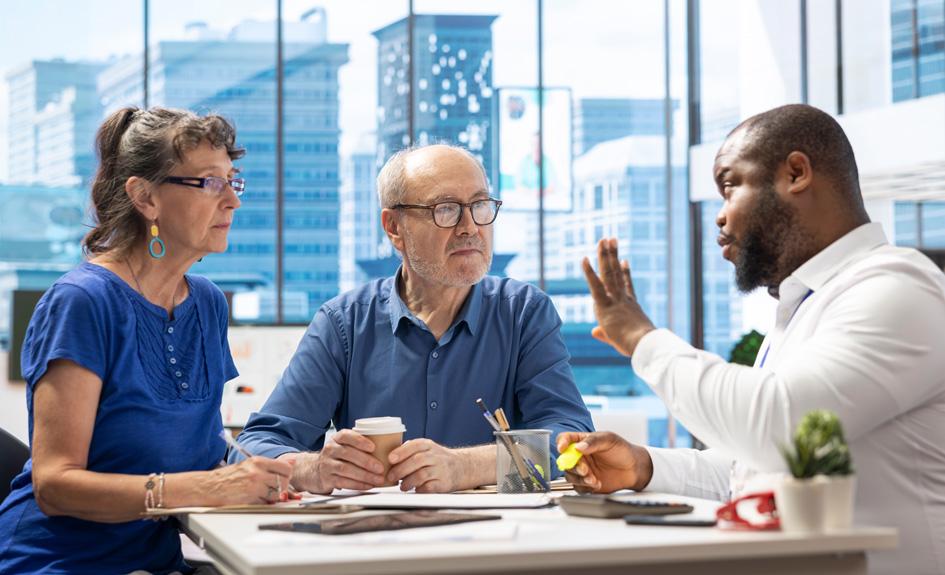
(392, 179)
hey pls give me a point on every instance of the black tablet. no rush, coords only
(669, 520)
(385, 522)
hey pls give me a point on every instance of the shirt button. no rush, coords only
(435, 355)
(184, 385)
(170, 348)
(170, 330)
(173, 360)
(177, 373)
(433, 405)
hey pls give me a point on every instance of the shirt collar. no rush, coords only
(818, 270)
(468, 314)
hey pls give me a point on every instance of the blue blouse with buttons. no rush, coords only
(159, 411)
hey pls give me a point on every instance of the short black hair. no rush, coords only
(772, 135)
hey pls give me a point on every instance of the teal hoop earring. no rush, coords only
(155, 240)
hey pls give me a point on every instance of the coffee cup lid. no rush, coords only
(378, 425)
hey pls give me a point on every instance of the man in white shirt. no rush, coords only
(859, 330)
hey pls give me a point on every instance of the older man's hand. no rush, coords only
(621, 321)
(429, 467)
(345, 462)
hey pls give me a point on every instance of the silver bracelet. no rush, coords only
(160, 501)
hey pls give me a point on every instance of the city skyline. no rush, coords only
(109, 33)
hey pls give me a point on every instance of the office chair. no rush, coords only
(13, 454)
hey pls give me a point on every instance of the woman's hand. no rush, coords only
(254, 480)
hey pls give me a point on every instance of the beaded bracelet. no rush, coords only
(149, 504)
(149, 492)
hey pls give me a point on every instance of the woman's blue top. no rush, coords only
(159, 411)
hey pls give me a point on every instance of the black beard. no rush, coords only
(768, 243)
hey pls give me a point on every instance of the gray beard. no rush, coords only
(438, 273)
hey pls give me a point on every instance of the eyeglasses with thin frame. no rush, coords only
(449, 214)
(211, 184)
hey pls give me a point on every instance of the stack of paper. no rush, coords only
(389, 500)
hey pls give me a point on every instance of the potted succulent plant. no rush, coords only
(819, 494)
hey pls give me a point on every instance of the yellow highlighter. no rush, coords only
(568, 458)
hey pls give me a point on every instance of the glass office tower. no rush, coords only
(452, 72)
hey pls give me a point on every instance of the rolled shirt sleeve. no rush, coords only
(547, 395)
(300, 409)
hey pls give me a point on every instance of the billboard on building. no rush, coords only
(520, 171)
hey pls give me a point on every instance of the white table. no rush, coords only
(547, 542)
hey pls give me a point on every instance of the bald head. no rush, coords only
(768, 138)
(418, 165)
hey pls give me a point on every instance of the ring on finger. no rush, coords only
(270, 491)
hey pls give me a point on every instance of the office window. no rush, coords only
(933, 225)
(618, 142)
(920, 224)
(476, 67)
(50, 109)
(721, 306)
(221, 57)
(347, 61)
(918, 48)
(739, 41)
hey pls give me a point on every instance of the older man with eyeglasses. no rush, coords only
(422, 345)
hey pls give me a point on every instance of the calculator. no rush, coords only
(614, 506)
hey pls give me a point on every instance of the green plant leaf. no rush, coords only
(818, 447)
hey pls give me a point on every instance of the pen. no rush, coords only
(536, 474)
(488, 415)
(503, 421)
(228, 439)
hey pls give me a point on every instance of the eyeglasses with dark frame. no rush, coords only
(449, 214)
(210, 183)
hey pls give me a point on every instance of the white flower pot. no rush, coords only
(839, 495)
(801, 504)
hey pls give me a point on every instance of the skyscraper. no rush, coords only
(53, 115)
(233, 74)
(918, 48)
(619, 191)
(452, 84)
(597, 120)
(359, 229)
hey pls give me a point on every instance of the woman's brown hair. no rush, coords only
(147, 144)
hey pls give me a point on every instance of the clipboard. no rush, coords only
(293, 507)
(560, 484)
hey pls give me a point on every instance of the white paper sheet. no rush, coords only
(398, 500)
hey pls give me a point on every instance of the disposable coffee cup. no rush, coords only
(387, 433)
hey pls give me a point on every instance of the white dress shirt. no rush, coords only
(868, 344)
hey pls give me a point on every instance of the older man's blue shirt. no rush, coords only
(366, 355)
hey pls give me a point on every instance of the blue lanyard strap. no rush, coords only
(767, 349)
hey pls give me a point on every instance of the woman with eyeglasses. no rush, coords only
(125, 360)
